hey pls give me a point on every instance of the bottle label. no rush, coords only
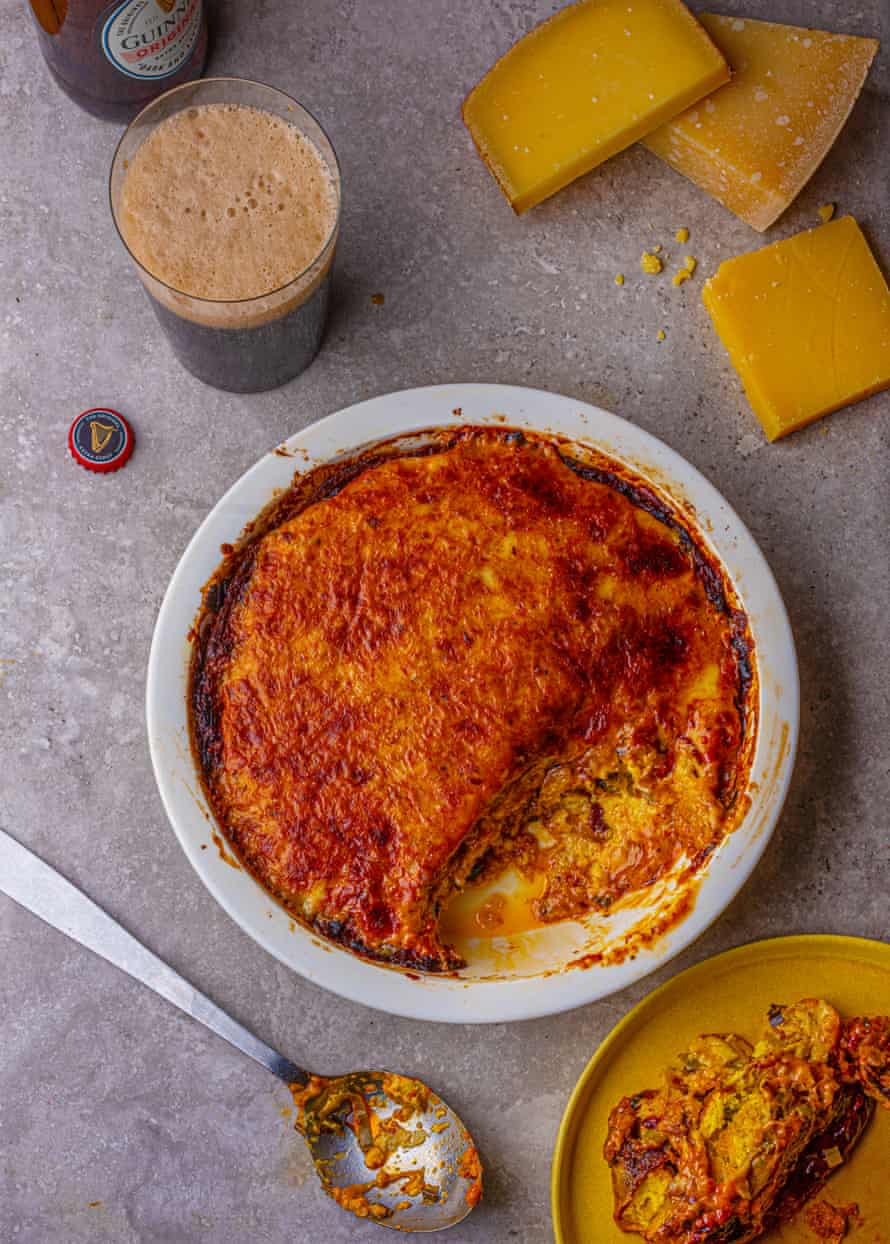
(151, 39)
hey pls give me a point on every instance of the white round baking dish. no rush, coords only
(528, 975)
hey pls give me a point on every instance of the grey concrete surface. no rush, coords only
(121, 1121)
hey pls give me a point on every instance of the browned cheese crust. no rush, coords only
(429, 662)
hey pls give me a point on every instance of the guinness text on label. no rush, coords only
(151, 38)
(112, 57)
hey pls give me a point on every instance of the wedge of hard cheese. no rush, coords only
(806, 322)
(756, 142)
(582, 86)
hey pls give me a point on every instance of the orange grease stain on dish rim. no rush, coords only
(224, 854)
(782, 752)
(467, 917)
(645, 934)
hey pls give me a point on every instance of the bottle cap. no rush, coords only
(100, 440)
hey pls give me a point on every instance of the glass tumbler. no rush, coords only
(243, 345)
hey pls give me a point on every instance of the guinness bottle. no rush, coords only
(112, 59)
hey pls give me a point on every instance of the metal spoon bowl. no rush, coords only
(427, 1180)
(384, 1146)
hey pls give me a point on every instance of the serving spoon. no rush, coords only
(384, 1146)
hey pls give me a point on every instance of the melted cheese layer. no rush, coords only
(458, 657)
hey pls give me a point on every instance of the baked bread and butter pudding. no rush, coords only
(452, 654)
(739, 1138)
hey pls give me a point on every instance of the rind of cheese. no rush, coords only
(584, 85)
(756, 142)
(806, 322)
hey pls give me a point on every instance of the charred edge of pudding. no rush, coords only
(326, 480)
(465, 860)
(212, 644)
(811, 1171)
(343, 934)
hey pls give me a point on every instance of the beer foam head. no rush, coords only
(227, 202)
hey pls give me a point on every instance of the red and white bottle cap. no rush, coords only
(100, 440)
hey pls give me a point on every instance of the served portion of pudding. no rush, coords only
(739, 1138)
(447, 657)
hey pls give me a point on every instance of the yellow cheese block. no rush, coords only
(806, 322)
(584, 85)
(756, 142)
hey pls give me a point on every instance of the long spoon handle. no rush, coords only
(46, 893)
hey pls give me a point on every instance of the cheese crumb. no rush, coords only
(656, 248)
(689, 266)
(619, 278)
(650, 263)
(682, 235)
(826, 211)
(661, 334)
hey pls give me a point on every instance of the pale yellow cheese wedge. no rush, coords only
(584, 85)
(756, 142)
(806, 322)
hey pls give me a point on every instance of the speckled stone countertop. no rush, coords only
(120, 1120)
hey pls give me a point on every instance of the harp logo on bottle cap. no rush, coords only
(100, 440)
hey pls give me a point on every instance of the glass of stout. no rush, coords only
(250, 344)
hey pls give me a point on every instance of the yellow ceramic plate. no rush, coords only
(729, 993)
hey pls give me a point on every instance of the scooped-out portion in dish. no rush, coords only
(739, 1138)
(466, 653)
